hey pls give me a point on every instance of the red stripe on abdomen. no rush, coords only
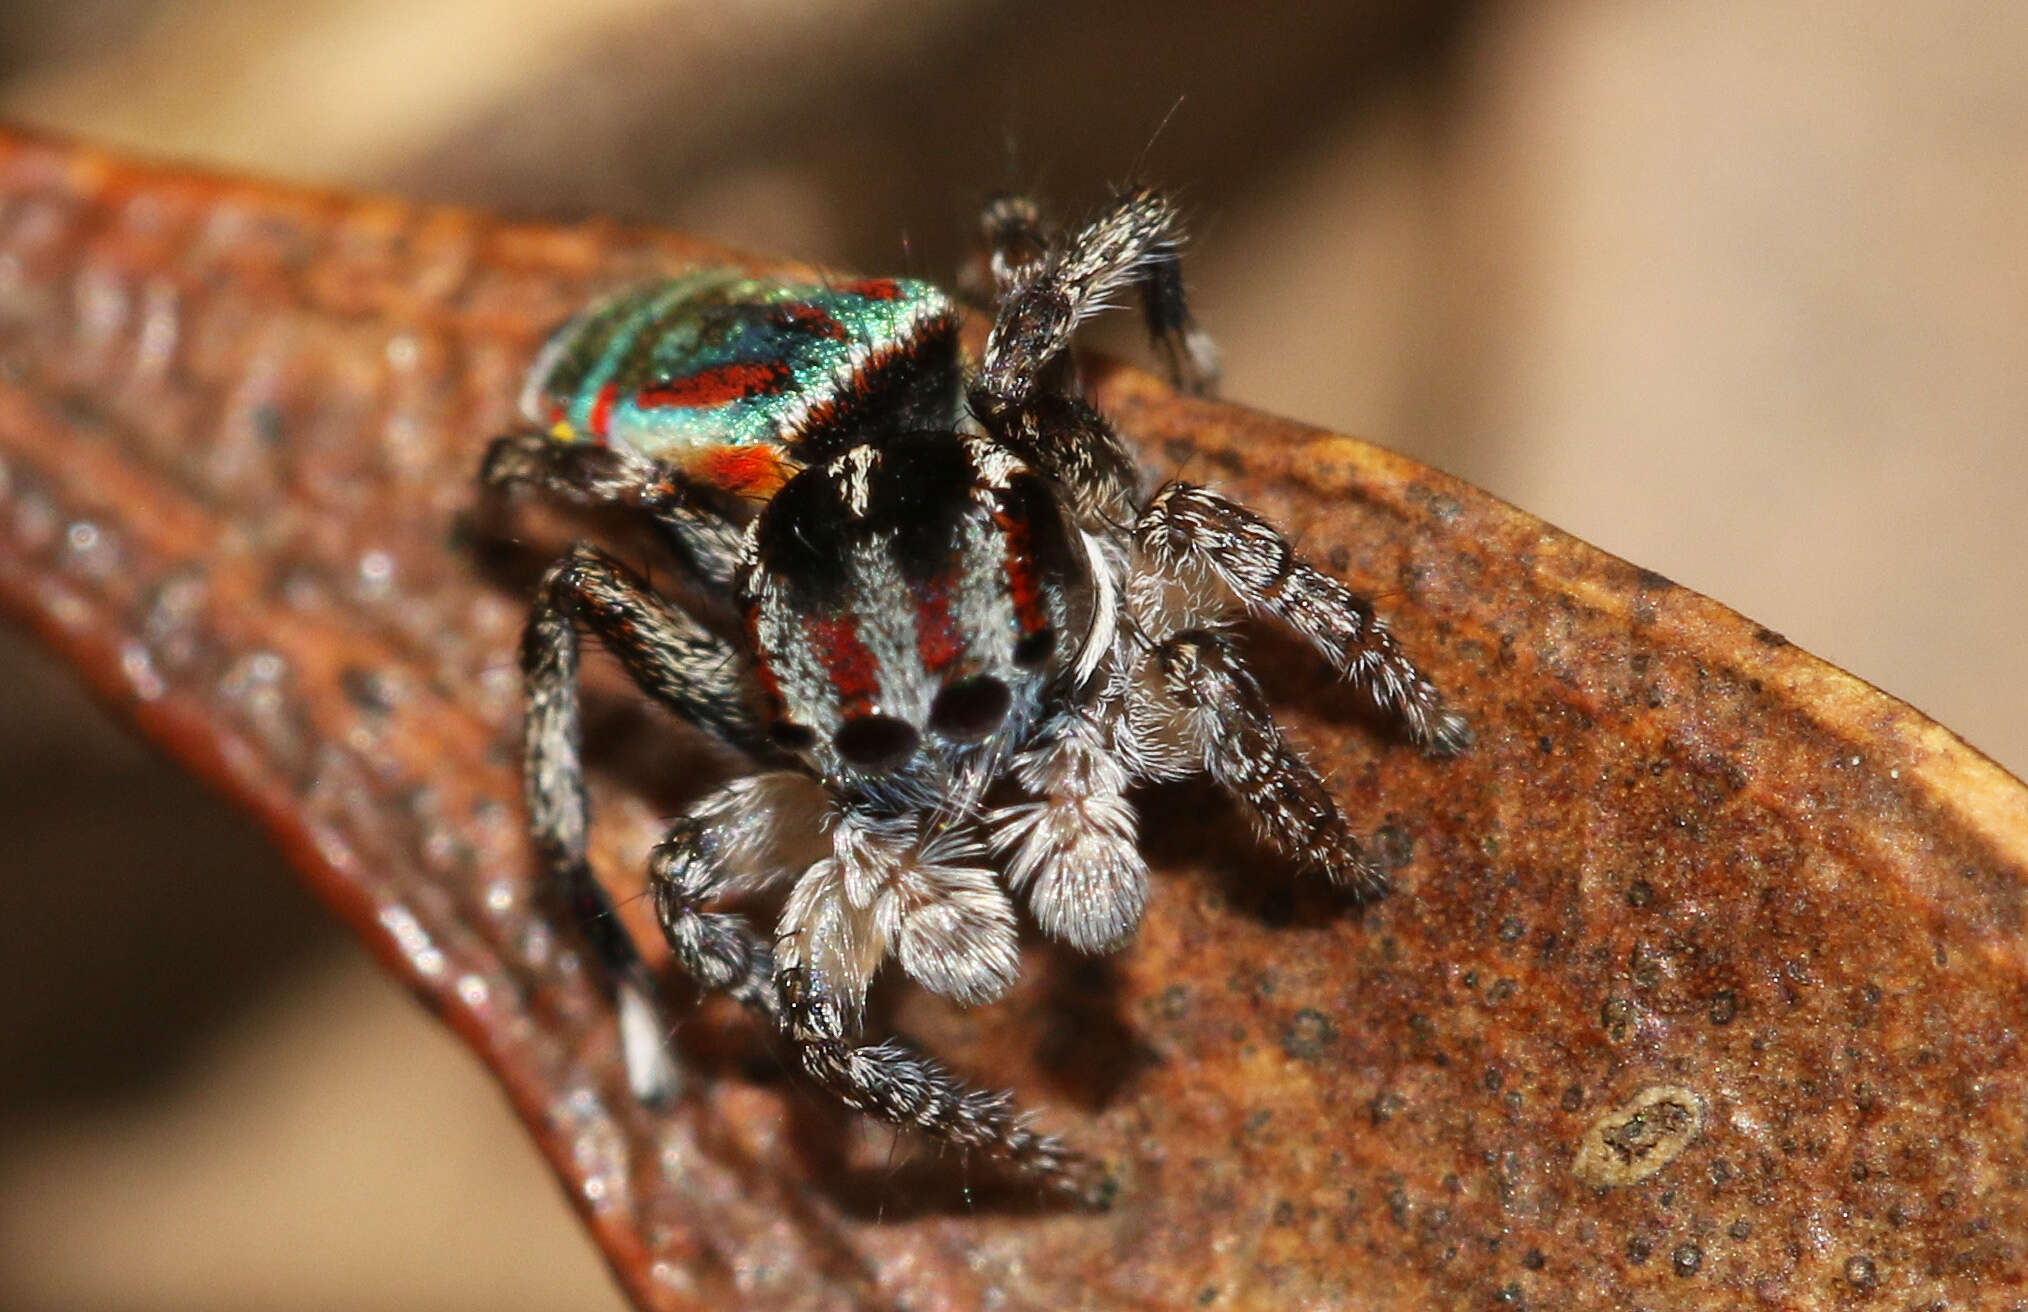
(602, 412)
(873, 289)
(798, 316)
(718, 386)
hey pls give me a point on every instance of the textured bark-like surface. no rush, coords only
(1702, 979)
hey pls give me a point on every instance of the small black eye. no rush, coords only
(1034, 649)
(970, 709)
(876, 742)
(792, 736)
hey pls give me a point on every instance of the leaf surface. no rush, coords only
(1702, 979)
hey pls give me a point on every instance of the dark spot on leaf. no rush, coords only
(1617, 1017)
(1393, 847)
(1308, 1034)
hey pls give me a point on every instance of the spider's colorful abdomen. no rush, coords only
(740, 381)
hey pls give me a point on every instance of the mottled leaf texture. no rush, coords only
(1701, 983)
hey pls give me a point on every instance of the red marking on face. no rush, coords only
(851, 668)
(801, 317)
(873, 289)
(752, 471)
(936, 634)
(557, 413)
(602, 411)
(1024, 584)
(719, 386)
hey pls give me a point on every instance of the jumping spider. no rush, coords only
(949, 580)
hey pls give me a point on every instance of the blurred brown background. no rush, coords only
(1736, 290)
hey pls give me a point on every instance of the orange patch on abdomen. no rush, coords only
(752, 471)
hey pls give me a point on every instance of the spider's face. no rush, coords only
(910, 603)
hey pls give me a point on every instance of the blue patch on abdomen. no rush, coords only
(700, 370)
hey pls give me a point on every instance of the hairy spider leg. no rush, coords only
(1244, 751)
(905, 1088)
(703, 536)
(1134, 242)
(1020, 394)
(1190, 530)
(684, 667)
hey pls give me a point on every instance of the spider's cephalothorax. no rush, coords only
(967, 632)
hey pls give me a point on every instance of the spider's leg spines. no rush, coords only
(902, 1087)
(670, 656)
(1221, 710)
(721, 952)
(704, 537)
(1134, 242)
(745, 836)
(1190, 530)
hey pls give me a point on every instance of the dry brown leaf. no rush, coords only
(1702, 981)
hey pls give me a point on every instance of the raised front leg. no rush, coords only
(683, 666)
(1134, 243)
(1022, 393)
(1192, 533)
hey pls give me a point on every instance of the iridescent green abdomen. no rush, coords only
(740, 381)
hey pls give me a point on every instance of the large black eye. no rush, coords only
(876, 742)
(970, 709)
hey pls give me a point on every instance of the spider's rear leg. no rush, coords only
(673, 659)
(1190, 532)
(1220, 710)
